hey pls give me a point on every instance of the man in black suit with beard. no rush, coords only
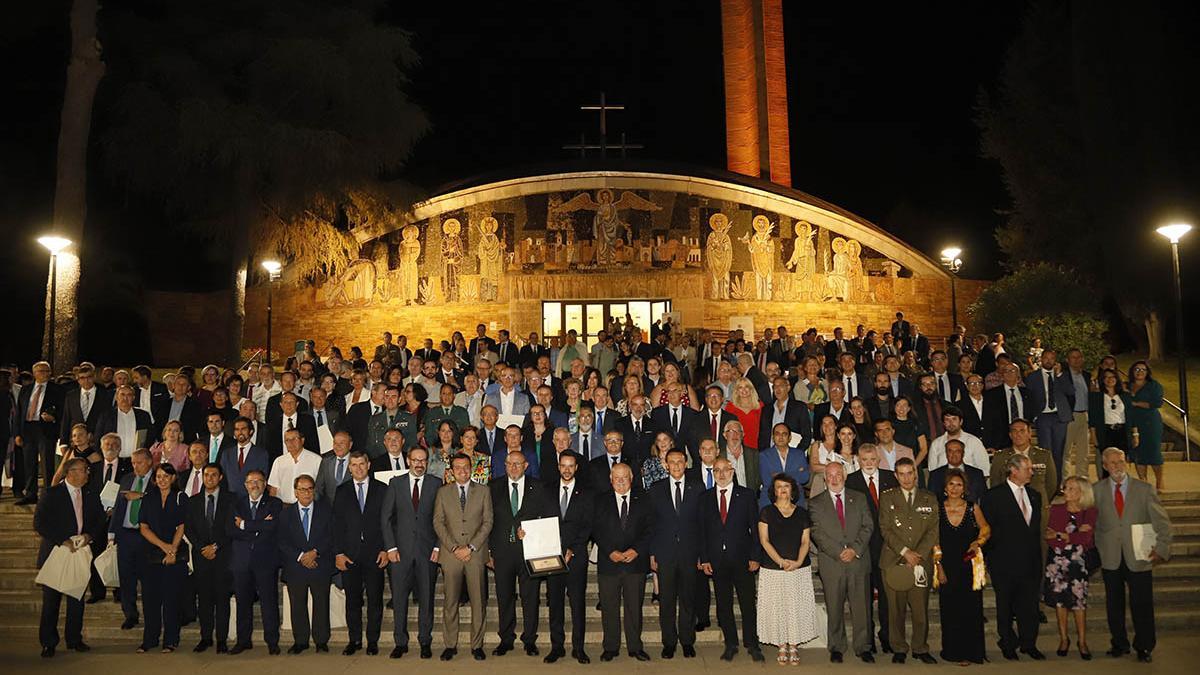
(571, 499)
(205, 525)
(873, 481)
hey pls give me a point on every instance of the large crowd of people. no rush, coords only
(698, 466)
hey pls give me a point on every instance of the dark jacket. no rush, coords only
(734, 542)
(293, 543)
(676, 533)
(886, 481)
(610, 536)
(54, 518)
(72, 412)
(257, 543)
(358, 534)
(574, 526)
(503, 539)
(201, 534)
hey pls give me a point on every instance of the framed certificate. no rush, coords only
(543, 547)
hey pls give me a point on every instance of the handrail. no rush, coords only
(250, 360)
(1187, 441)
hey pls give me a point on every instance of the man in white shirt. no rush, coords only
(470, 398)
(974, 452)
(262, 392)
(295, 462)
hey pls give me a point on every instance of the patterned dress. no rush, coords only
(1066, 580)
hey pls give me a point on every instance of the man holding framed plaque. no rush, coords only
(571, 500)
(515, 498)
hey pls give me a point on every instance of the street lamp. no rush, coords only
(1174, 232)
(54, 244)
(272, 267)
(952, 262)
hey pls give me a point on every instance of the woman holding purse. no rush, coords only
(163, 560)
(962, 532)
(1070, 531)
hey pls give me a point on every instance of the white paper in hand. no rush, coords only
(386, 477)
(109, 494)
(1144, 539)
(541, 538)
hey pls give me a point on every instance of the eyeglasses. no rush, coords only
(1114, 403)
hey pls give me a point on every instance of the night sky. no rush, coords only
(881, 107)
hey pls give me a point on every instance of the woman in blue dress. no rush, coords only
(1145, 422)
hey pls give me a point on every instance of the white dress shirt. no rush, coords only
(286, 469)
(127, 430)
(974, 454)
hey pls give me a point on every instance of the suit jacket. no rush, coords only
(358, 534)
(520, 401)
(832, 352)
(256, 459)
(770, 465)
(116, 522)
(595, 445)
(507, 352)
(676, 533)
(386, 462)
(54, 518)
(548, 466)
(703, 428)
(976, 483)
(914, 528)
(753, 471)
(734, 542)
(334, 415)
(275, 411)
(759, 380)
(660, 419)
(1064, 395)
(505, 523)
(995, 415)
(305, 424)
(574, 526)
(636, 445)
(358, 418)
(530, 353)
(497, 443)
(456, 526)
(72, 412)
(795, 416)
(826, 408)
(191, 419)
(96, 478)
(1045, 472)
(473, 344)
(160, 403)
(830, 537)
(256, 545)
(610, 536)
(293, 543)
(227, 441)
(1114, 536)
(972, 422)
(600, 468)
(108, 424)
(410, 532)
(1015, 548)
(201, 533)
(327, 483)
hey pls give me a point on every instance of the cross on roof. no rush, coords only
(583, 146)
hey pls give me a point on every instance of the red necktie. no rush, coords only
(874, 492)
(724, 508)
(713, 425)
(1119, 501)
(241, 458)
(841, 510)
(195, 482)
(416, 497)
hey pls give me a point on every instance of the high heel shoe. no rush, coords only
(1086, 655)
(1064, 646)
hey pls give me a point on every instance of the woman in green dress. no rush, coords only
(1145, 422)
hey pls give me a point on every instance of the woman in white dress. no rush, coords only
(787, 606)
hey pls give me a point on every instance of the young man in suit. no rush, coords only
(123, 529)
(675, 418)
(841, 530)
(66, 510)
(335, 468)
(1014, 557)
(255, 534)
(621, 530)
(83, 404)
(410, 544)
(306, 550)
(783, 409)
(637, 431)
(1122, 502)
(358, 547)
(215, 440)
(674, 552)
(205, 526)
(150, 396)
(1052, 394)
(243, 458)
(908, 522)
(729, 553)
(462, 519)
(571, 500)
(39, 407)
(516, 496)
(872, 481)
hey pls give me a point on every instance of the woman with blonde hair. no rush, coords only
(171, 449)
(1070, 560)
(210, 379)
(631, 387)
(745, 406)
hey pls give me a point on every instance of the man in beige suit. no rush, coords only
(462, 518)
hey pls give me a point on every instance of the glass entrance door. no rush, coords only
(588, 317)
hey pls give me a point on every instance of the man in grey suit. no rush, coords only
(335, 468)
(462, 518)
(508, 399)
(841, 531)
(410, 541)
(1122, 502)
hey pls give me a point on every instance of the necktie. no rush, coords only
(712, 424)
(398, 467)
(210, 510)
(108, 472)
(615, 459)
(253, 510)
(565, 501)
(909, 497)
(624, 510)
(600, 420)
(416, 495)
(942, 388)
(1024, 504)
(320, 418)
(675, 421)
(873, 490)
(304, 521)
(841, 510)
(241, 458)
(362, 497)
(375, 410)
(87, 403)
(195, 482)
(1013, 413)
(850, 387)
(1119, 501)
(708, 480)
(1050, 391)
(291, 424)
(77, 502)
(135, 507)
(462, 497)
(678, 495)
(637, 428)
(491, 439)
(514, 503)
(35, 401)
(341, 470)
(583, 436)
(724, 507)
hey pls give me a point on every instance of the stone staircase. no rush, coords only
(1177, 591)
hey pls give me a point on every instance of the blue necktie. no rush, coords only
(362, 498)
(708, 482)
(304, 521)
(211, 511)
(341, 470)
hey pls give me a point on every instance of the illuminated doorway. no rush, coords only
(589, 317)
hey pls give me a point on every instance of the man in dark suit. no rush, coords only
(571, 500)
(622, 530)
(784, 409)
(255, 534)
(114, 421)
(481, 336)
(206, 530)
(949, 386)
(409, 541)
(901, 329)
(358, 417)
(506, 351)
(83, 404)
(39, 407)
(855, 382)
(335, 468)
(532, 350)
(287, 384)
(676, 419)
(183, 408)
(215, 439)
(491, 436)
(973, 406)
(711, 421)
(112, 467)
(674, 552)
(327, 419)
(66, 510)
(291, 417)
(599, 468)
(873, 481)
(1014, 557)
(123, 528)
(729, 552)
(976, 481)
(839, 345)
(243, 458)
(306, 550)
(1004, 404)
(427, 352)
(515, 497)
(150, 396)
(358, 548)
(1052, 394)
(918, 342)
(637, 431)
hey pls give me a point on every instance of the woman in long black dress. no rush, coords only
(162, 560)
(962, 531)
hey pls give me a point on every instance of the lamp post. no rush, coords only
(952, 262)
(272, 267)
(54, 244)
(1174, 233)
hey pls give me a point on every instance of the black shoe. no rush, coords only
(129, 623)
(899, 657)
(1085, 655)
(1117, 652)
(554, 655)
(640, 656)
(581, 656)
(885, 646)
(47, 652)
(448, 654)
(1041, 616)
(80, 647)
(689, 651)
(654, 598)
(94, 599)
(351, 648)
(501, 649)
(297, 649)
(867, 657)
(372, 649)
(1143, 656)
(729, 653)
(478, 654)
(701, 625)
(756, 655)
(531, 650)
(238, 649)
(222, 648)
(1063, 647)
(835, 657)
(928, 658)
(273, 650)
(398, 652)
(202, 646)
(1034, 654)
(26, 501)
(426, 652)
(668, 652)
(322, 648)
(1010, 654)
(607, 656)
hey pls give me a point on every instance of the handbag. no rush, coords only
(108, 568)
(67, 572)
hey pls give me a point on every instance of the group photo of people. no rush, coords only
(858, 490)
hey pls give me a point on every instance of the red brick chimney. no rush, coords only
(756, 131)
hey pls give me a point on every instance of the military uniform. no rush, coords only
(378, 425)
(913, 528)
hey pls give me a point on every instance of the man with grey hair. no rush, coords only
(1014, 556)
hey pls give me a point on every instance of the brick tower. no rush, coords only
(756, 117)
